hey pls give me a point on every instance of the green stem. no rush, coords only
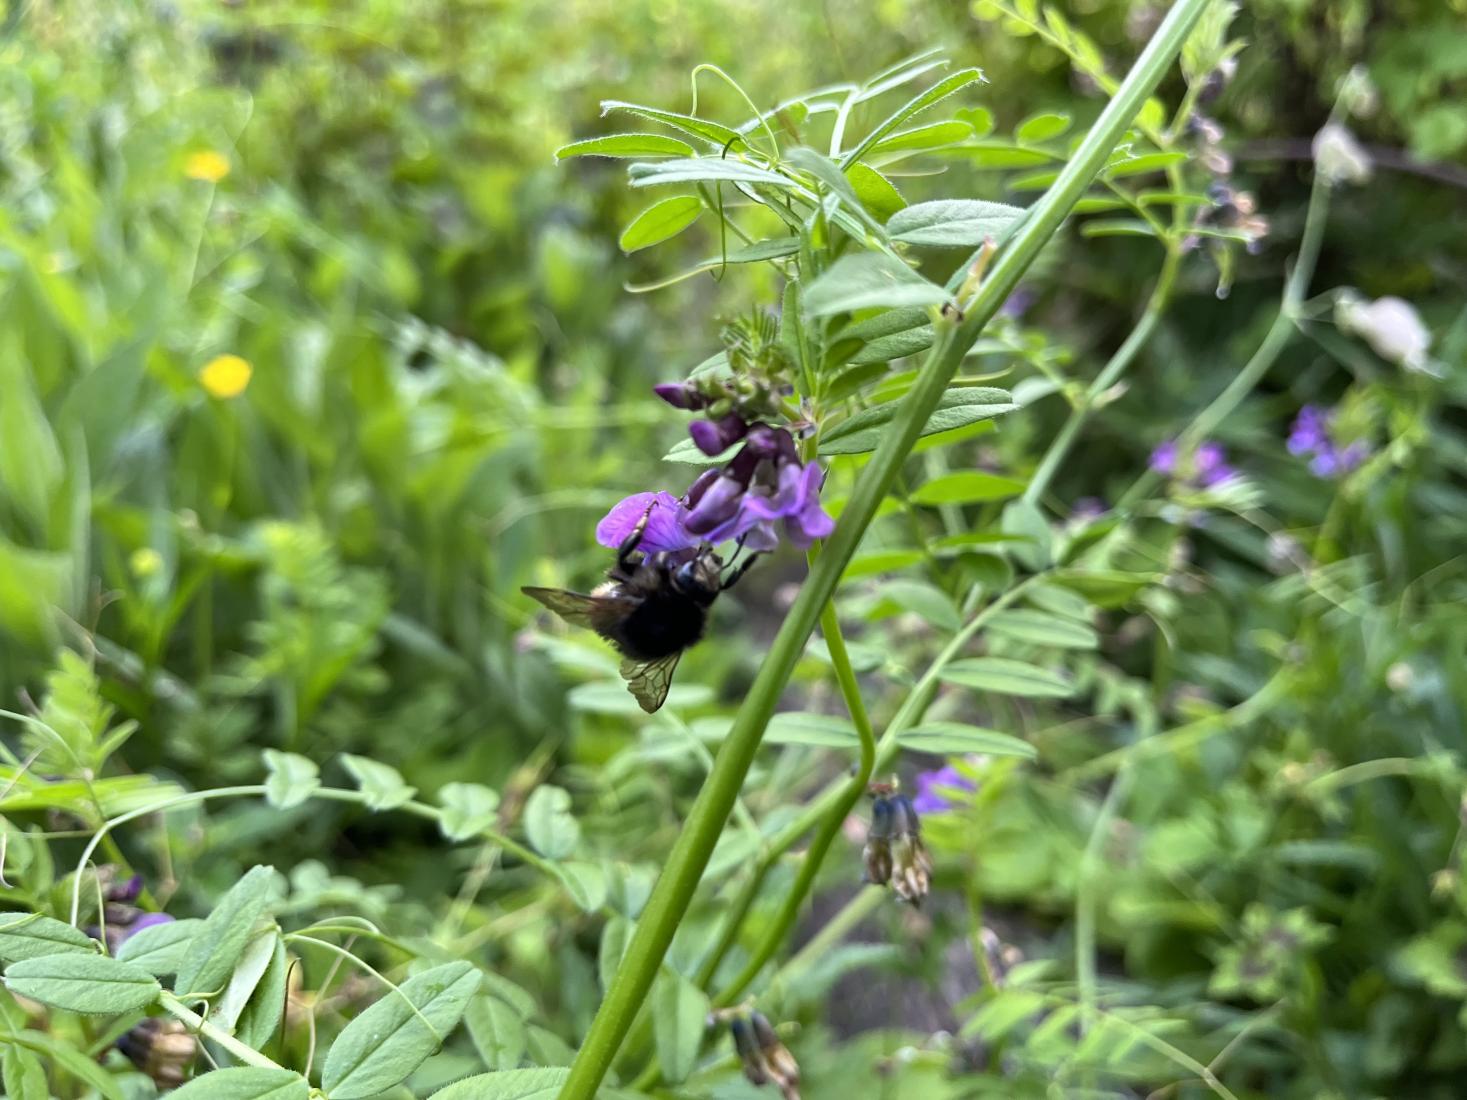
(865, 902)
(1108, 376)
(1274, 341)
(779, 928)
(217, 1035)
(685, 864)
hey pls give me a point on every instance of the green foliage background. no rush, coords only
(451, 384)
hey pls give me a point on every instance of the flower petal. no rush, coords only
(664, 530)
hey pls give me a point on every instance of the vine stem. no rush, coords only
(689, 857)
(215, 1034)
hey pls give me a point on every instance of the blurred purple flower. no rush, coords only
(1163, 458)
(1088, 509)
(1208, 465)
(1312, 435)
(931, 785)
(1017, 303)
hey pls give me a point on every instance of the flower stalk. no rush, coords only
(679, 881)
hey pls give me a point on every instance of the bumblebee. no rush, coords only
(651, 607)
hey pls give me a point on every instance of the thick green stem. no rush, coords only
(779, 928)
(679, 880)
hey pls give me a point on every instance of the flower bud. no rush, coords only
(681, 395)
(160, 1048)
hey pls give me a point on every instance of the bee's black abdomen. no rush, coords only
(665, 623)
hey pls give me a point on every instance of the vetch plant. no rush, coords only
(844, 259)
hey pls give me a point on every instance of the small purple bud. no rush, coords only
(716, 436)
(680, 395)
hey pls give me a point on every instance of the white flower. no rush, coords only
(1339, 157)
(1392, 327)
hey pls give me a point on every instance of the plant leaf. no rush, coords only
(381, 784)
(1043, 629)
(867, 280)
(161, 948)
(497, 1031)
(679, 1015)
(245, 1083)
(514, 1084)
(468, 809)
(626, 145)
(91, 984)
(955, 222)
(292, 778)
(661, 221)
(226, 931)
(967, 487)
(713, 132)
(952, 738)
(394, 1036)
(1004, 676)
(935, 94)
(956, 408)
(31, 935)
(262, 1013)
(549, 826)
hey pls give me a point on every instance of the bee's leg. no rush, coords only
(624, 560)
(737, 572)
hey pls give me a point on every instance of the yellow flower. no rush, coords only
(226, 375)
(209, 166)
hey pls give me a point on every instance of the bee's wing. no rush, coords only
(579, 609)
(648, 681)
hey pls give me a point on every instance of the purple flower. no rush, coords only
(664, 530)
(1211, 465)
(1088, 509)
(1207, 467)
(681, 395)
(1163, 458)
(930, 785)
(762, 491)
(716, 436)
(1310, 431)
(1312, 435)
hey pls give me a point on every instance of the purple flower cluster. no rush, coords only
(935, 787)
(1312, 435)
(1208, 465)
(762, 490)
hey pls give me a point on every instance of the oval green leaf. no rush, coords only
(549, 825)
(955, 409)
(953, 222)
(393, 1037)
(1043, 629)
(218, 945)
(160, 948)
(245, 1083)
(1004, 676)
(626, 145)
(1042, 128)
(90, 984)
(967, 487)
(31, 935)
(661, 221)
(952, 738)
(514, 1084)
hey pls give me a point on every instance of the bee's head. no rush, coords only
(699, 578)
